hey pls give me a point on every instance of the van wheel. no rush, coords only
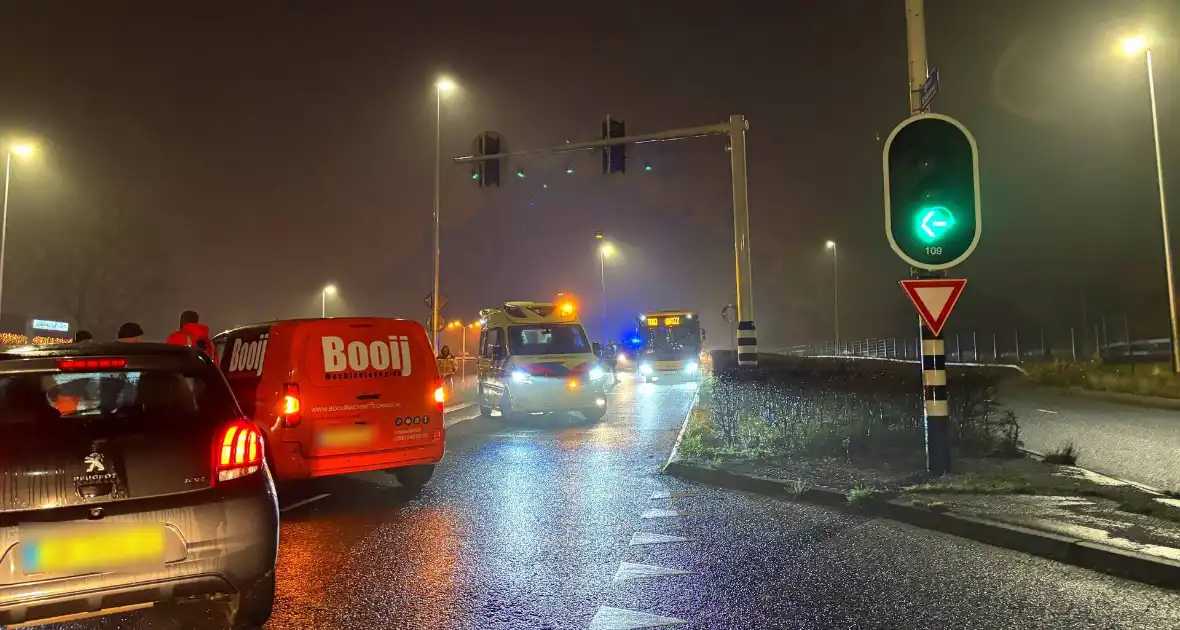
(414, 476)
(255, 605)
(506, 412)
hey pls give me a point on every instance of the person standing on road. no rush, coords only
(446, 368)
(611, 358)
(194, 334)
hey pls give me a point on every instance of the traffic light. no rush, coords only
(614, 157)
(932, 212)
(487, 172)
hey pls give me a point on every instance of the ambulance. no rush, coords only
(535, 357)
(340, 395)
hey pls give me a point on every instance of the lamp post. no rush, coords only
(442, 85)
(605, 250)
(1132, 46)
(329, 289)
(835, 291)
(21, 150)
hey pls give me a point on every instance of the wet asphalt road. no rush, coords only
(1127, 441)
(532, 525)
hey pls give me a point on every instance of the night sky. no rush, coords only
(235, 157)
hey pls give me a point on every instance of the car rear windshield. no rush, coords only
(548, 339)
(148, 397)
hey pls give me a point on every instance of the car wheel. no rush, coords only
(484, 410)
(414, 476)
(594, 414)
(255, 605)
(506, 412)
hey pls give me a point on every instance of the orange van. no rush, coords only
(340, 395)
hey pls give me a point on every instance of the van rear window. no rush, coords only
(547, 339)
(152, 397)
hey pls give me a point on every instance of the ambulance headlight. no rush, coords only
(691, 367)
(596, 373)
(645, 369)
(521, 377)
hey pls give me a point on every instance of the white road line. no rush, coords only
(671, 495)
(633, 571)
(649, 538)
(607, 618)
(304, 502)
(1047, 411)
(654, 513)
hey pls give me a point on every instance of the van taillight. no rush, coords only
(292, 410)
(237, 451)
(440, 395)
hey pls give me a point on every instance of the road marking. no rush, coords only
(654, 513)
(304, 502)
(670, 495)
(459, 407)
(633, 571)
(648, 538)
(608, 618)
(1047, 411)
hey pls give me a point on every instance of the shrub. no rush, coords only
(848, 408)
(1065, 455)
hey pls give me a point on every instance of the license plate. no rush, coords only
(347, 436)
(90, 547)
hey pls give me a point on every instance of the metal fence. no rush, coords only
(1009, 347)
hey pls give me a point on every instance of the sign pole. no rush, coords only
(934, 402)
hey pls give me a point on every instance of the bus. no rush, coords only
(670, 345)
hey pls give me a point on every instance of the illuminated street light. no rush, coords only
(329, 289)
(1132, 46)
(607, 250)
(835, 290)
(443, 84)
(20, 150)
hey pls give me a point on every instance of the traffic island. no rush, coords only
(997, 493)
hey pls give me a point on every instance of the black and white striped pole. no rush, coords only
(934, 298)
(934, 403)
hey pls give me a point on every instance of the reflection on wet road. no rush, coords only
(555, 522)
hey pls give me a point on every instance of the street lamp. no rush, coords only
(835, 291)
(20, 150)
(329, 289)
(1132, 46)
(605, 250)
(443, 84)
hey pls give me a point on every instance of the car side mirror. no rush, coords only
(497, 352)
(597, 348)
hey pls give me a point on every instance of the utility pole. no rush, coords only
(935, 407)
(735, 128)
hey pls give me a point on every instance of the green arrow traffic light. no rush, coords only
(934, 223)
(932, 211)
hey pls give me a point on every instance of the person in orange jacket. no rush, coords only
(194, 334)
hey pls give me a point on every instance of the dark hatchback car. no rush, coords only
(129, 478)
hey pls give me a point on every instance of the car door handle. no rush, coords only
(368, 397)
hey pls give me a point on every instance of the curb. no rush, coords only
(1130, 565)
(1135, 400)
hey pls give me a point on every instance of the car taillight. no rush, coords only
(292, 409)
(238, 451)
(67, 365)
(440, 395)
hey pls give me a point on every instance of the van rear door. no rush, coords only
(371, 386)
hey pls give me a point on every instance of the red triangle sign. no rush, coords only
(934, 298)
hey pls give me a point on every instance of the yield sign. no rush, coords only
(934, 298)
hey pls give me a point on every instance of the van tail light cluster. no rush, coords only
(440, 395)
(292, 409)
(237, 451)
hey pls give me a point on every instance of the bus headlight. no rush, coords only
(691, 367)
(645, 369)
(596, 373)
(521, 377)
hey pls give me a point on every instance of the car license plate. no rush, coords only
(72, 548)
(347, 436)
